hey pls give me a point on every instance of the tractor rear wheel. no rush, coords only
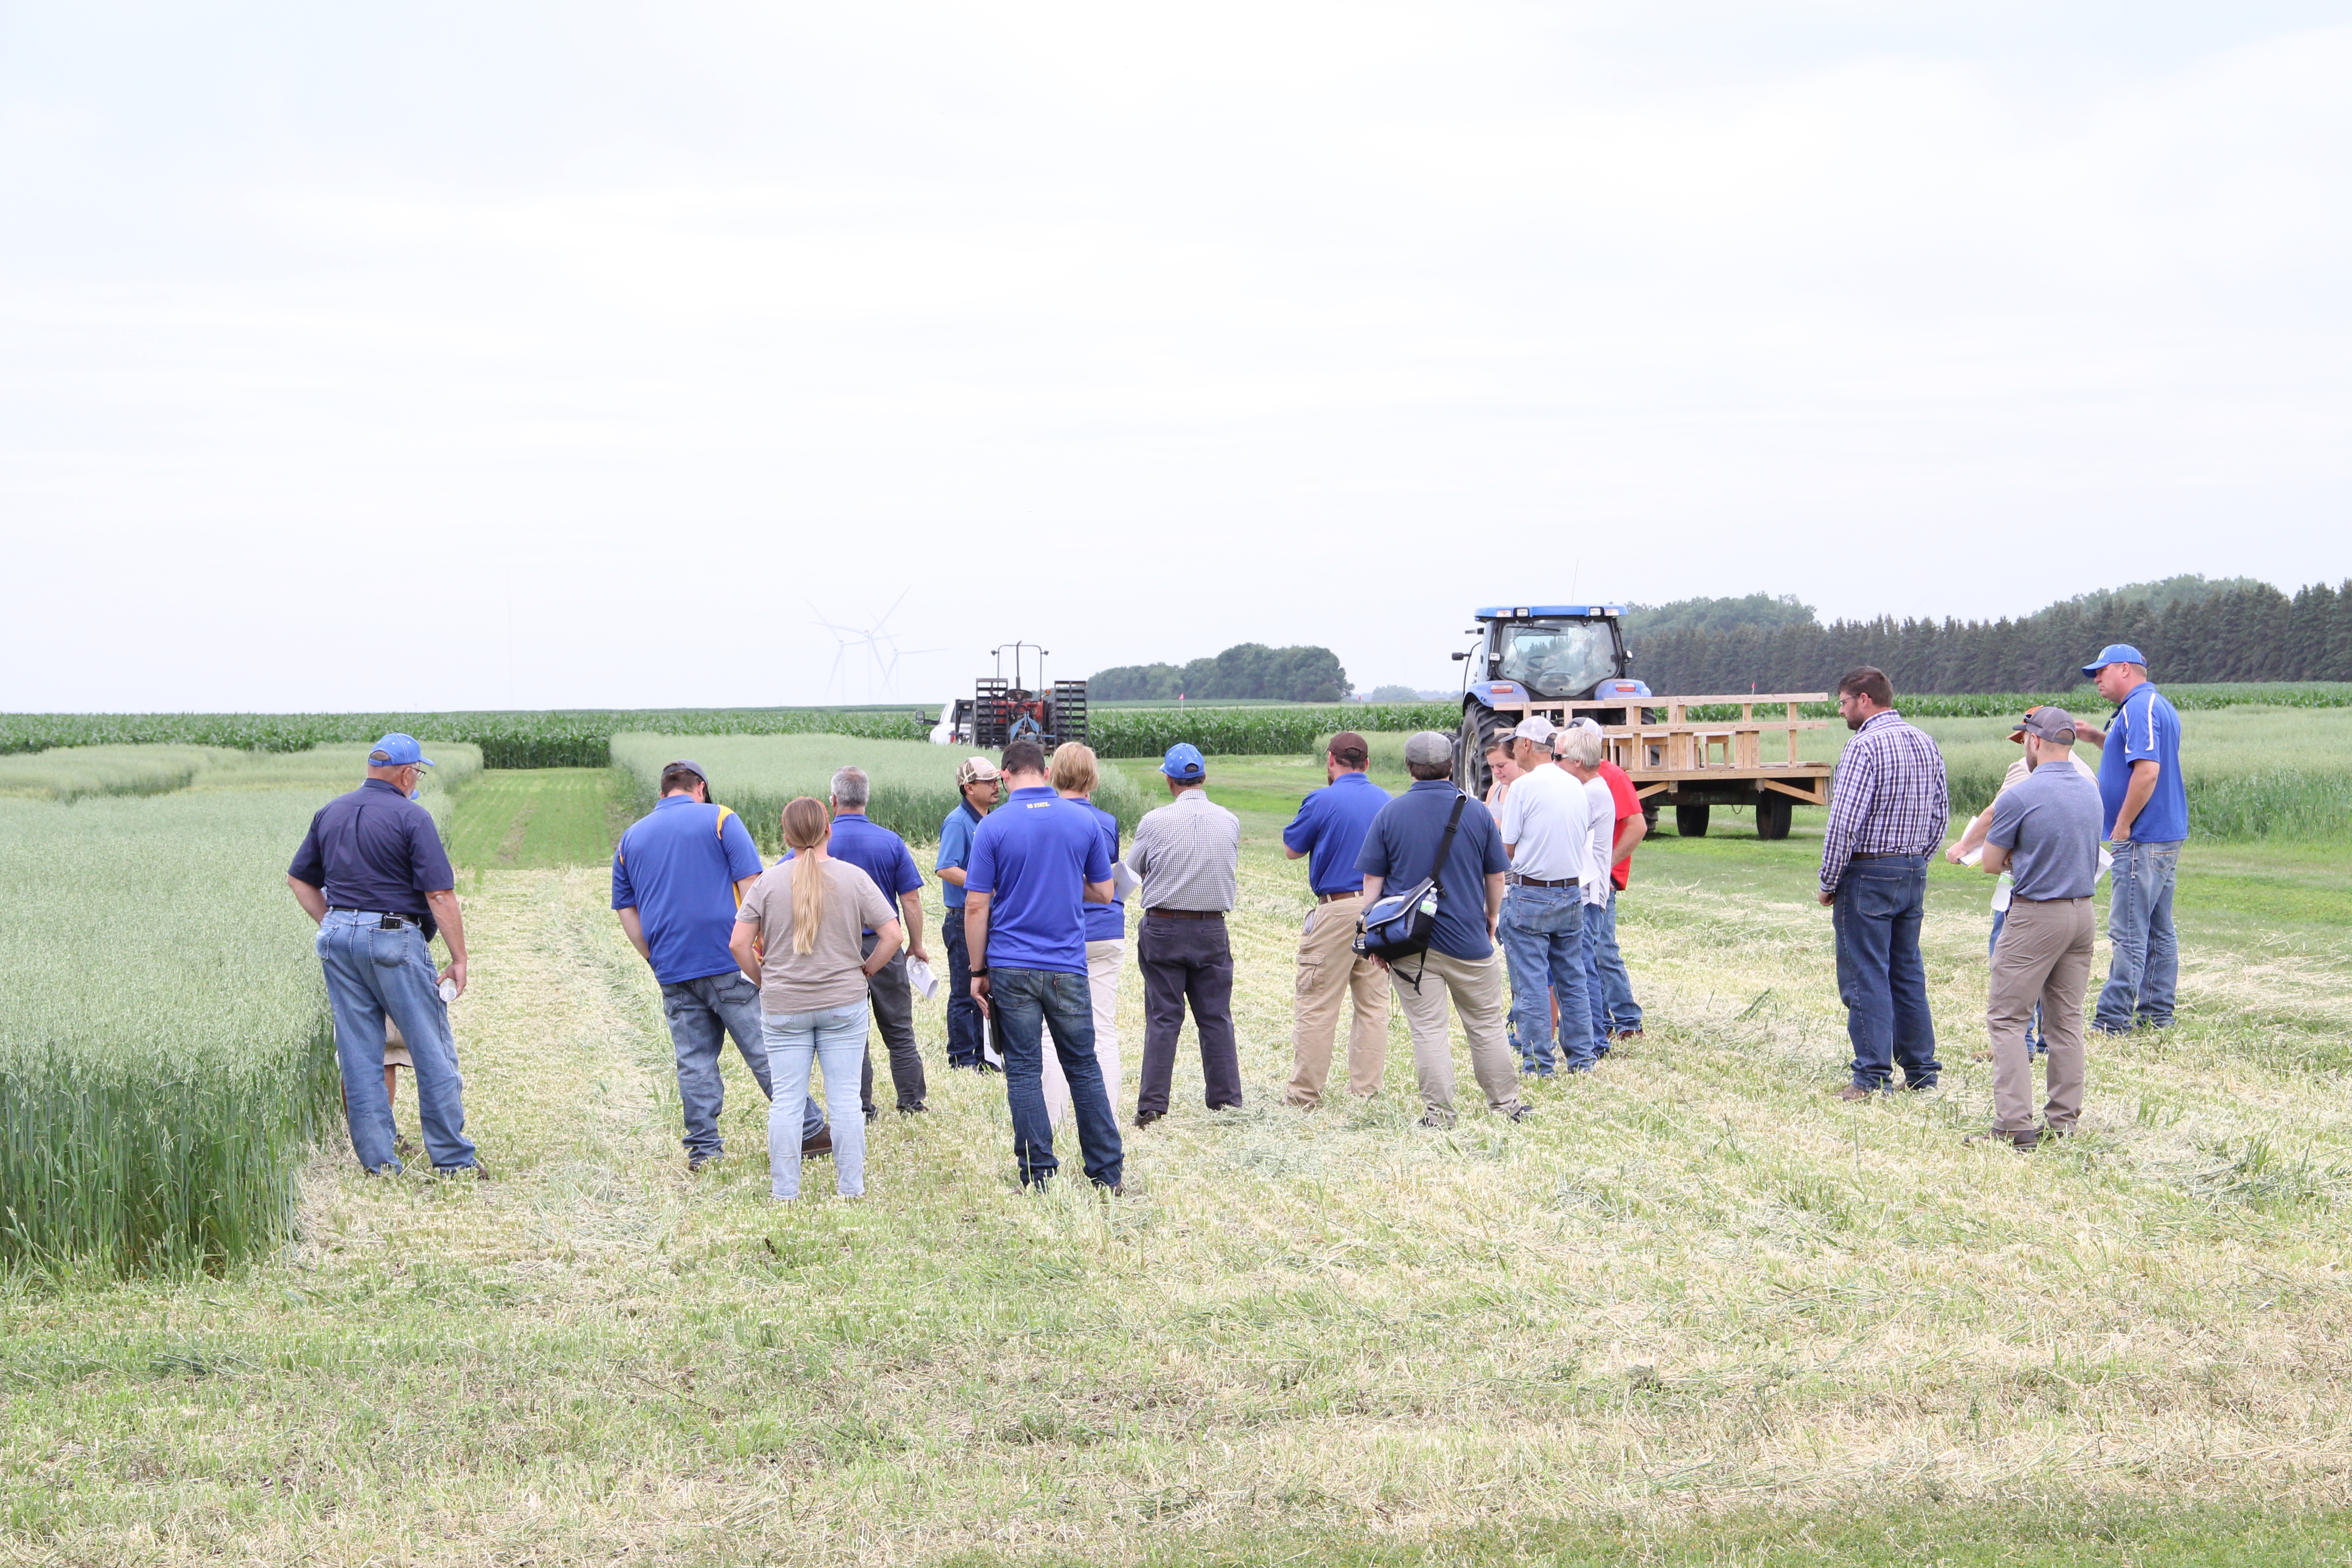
(1690, 821)
(1471, 775)
(1774, 812)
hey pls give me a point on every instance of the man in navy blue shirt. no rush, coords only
(678, 874)
(373, 874)
(882, 855)
(1328, 834)
(1037, 863)
(2146, 803)
(968, 1031)
(1400, 849)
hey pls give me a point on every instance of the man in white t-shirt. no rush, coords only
(1968, 848)
(1578, 748)
(1548, 833)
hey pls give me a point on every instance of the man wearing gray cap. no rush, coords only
(2046, 833)
(1400, 848)
(678, 873)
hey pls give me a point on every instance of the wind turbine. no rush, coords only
(879, 647)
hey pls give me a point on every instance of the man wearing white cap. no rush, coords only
(968, 1032)
(1547, 832)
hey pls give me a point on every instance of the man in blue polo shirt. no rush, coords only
(2146, 803)
(1328, 834)
(1401, 847)
(968, 1030)
(678, 874)
(882, 855)
(373, 874)
(1036, 862)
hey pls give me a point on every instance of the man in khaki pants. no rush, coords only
(2046, 833)
(1328, 834)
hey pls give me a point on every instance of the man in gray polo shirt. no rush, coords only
(1186, 852)
(2046, 833)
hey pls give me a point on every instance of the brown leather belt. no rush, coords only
(1188, 914)
(1335, 897)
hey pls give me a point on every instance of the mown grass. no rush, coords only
(537, 818)
(1697, 1311)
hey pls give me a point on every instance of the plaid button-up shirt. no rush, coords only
(1185, 853)
(1889, 797)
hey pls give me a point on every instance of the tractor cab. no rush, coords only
(1556, 652)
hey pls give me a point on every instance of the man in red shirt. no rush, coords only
(1615, 1014)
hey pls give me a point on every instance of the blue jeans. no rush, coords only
(1880, 977)
(371, 972)
(1543, 941)
(1606, 984)
(702, 1013)
(966, 1027)
(2145, 970)
(1028, 1001)
(2033, 1045)
(835, 1039)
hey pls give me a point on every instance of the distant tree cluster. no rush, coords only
(1393, 693)
(2191, 628)
(1302, 674)
(1760, 610)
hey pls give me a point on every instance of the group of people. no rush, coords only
(799, 961)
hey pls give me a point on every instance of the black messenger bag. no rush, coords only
(1398, 925)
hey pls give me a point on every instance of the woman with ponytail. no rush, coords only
(800, 934)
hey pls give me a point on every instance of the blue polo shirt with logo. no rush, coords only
(1032, 857)
(1330, 827)
(2145, 728)
(874, 850)
(677, 866)
(1106, 922)
(1402, 845)
(955, 849)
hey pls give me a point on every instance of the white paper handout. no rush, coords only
(920, 977)
(1122, 880)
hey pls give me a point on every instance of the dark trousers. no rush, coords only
(1881, 979)
(966, 1028)
(893, 1000)
(1028, 1004)
(1187, 960)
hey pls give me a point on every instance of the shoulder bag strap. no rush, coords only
(1445, 844)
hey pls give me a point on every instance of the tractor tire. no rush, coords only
(1690, 821)
(1649, 818)
(1471, 774)
(1774, 813)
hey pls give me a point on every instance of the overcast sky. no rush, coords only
(465, 356)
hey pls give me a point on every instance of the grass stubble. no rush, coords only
(1696, 1294)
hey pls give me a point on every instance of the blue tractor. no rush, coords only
(1539, 658)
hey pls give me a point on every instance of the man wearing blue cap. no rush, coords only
(2146, 803)
(373, 874)
(1187, 853)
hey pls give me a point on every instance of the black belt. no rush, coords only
(388, 923)
(1187, 914)
(1892, 855)
(1333, 898)
(1513, 878)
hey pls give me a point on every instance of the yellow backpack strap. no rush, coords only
(718, 831)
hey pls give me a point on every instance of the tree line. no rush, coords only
(2190, 629)
(1300, 674)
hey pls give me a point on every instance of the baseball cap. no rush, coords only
(975, 770)
(2114, 653)
(398, 750)
(1350, 748)
(1534, 727)
(1183, 762)
(1427, 747)
(2047, 723)
(693, 767)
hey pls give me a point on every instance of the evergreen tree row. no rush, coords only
(2250, 632)
(1301, 674)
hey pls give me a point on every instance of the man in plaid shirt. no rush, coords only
(1888, 811)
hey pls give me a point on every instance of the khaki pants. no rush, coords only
(1329, 974)
(1103, 960)
(1476, 986)
(2043, 955)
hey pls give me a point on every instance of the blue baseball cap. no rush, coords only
(398, 750)
(2114, 653)
(1183, 762)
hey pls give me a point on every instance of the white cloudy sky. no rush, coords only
(548, 354)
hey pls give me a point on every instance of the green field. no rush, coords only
(1698, 1312)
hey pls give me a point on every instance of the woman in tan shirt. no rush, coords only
(799, 935)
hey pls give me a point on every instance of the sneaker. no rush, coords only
(820, 1143)
(1984, 1056)
(402, 1145)
(1146, 1117)
(2024, 1141)
(1854, 1091)
(912, 1109)
(1520, 1112)
(1432, 1124)
(1920, 1086)
(1624, 1036)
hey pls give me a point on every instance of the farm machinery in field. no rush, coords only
(1002, 709)
(1568, 661)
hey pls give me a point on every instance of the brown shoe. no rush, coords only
(2024, 1143)
(819, 1144)
(1980, 1056)
(1853, 1091)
